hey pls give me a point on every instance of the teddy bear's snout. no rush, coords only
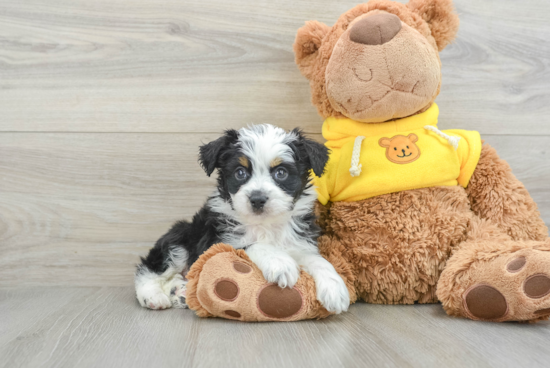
(376, 29)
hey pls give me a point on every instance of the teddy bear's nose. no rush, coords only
(376, 29)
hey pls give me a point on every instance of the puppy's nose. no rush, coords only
(257, 200)
(376, 29)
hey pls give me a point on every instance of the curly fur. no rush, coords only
(440, 16)
(496, 193)
(424, 246)
(394, 246)
(432, 244)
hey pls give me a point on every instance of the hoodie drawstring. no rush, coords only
(453, 141)
(355, 168)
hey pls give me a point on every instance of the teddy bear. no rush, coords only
(409, 213)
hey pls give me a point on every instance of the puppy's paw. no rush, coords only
(157, 300)
(178, 288)
(333, 294)
(153, 291)
(281, 270)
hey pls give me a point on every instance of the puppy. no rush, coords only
(263, 204)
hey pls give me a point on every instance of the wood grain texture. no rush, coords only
(79, 208)
(103, 105)
(105, 327)
(201, 66)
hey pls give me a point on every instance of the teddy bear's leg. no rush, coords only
(225, 283)
(495, 278)
(502, 272)
(497, 195)
(334, 250)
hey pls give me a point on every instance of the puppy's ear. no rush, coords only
(209, 154)
(440, 16)
(314, 154)
(308, 40)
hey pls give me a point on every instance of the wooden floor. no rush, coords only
(105, 327)
(103, 105)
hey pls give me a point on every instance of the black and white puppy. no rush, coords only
(264, 204)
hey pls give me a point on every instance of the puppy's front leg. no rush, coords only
(276, 265)
(331, 289)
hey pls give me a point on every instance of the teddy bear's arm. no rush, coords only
(497, 195)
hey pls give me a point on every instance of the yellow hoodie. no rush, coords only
(368, 160)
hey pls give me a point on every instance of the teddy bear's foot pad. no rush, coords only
(242, 293)
(273, 301)
(231, 286)
(516, 288)
(485, 302)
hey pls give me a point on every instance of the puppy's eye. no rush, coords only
(280, 174)
(241, 174)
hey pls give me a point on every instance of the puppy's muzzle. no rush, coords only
(257, 201)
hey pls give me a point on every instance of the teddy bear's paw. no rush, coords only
(512, 287)
(234, 288)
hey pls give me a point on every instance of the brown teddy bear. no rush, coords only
(410, 214)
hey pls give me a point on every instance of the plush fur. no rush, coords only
(372, 84)
(315, 43)
(425, 245)
(264, 204)
(482, 251)
(218, 261)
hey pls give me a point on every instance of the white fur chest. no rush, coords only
(281, 236)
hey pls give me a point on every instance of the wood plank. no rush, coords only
(79, 208)
(495, 74)
(92, 202)
(426, 336)
(105, 327)
(203, 66)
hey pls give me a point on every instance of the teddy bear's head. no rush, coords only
(380, 61)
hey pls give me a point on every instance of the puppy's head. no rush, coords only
(263, 171)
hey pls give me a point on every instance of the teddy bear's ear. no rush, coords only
(413, 137)
(384, 142)
(440, 16)
(308, 40)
